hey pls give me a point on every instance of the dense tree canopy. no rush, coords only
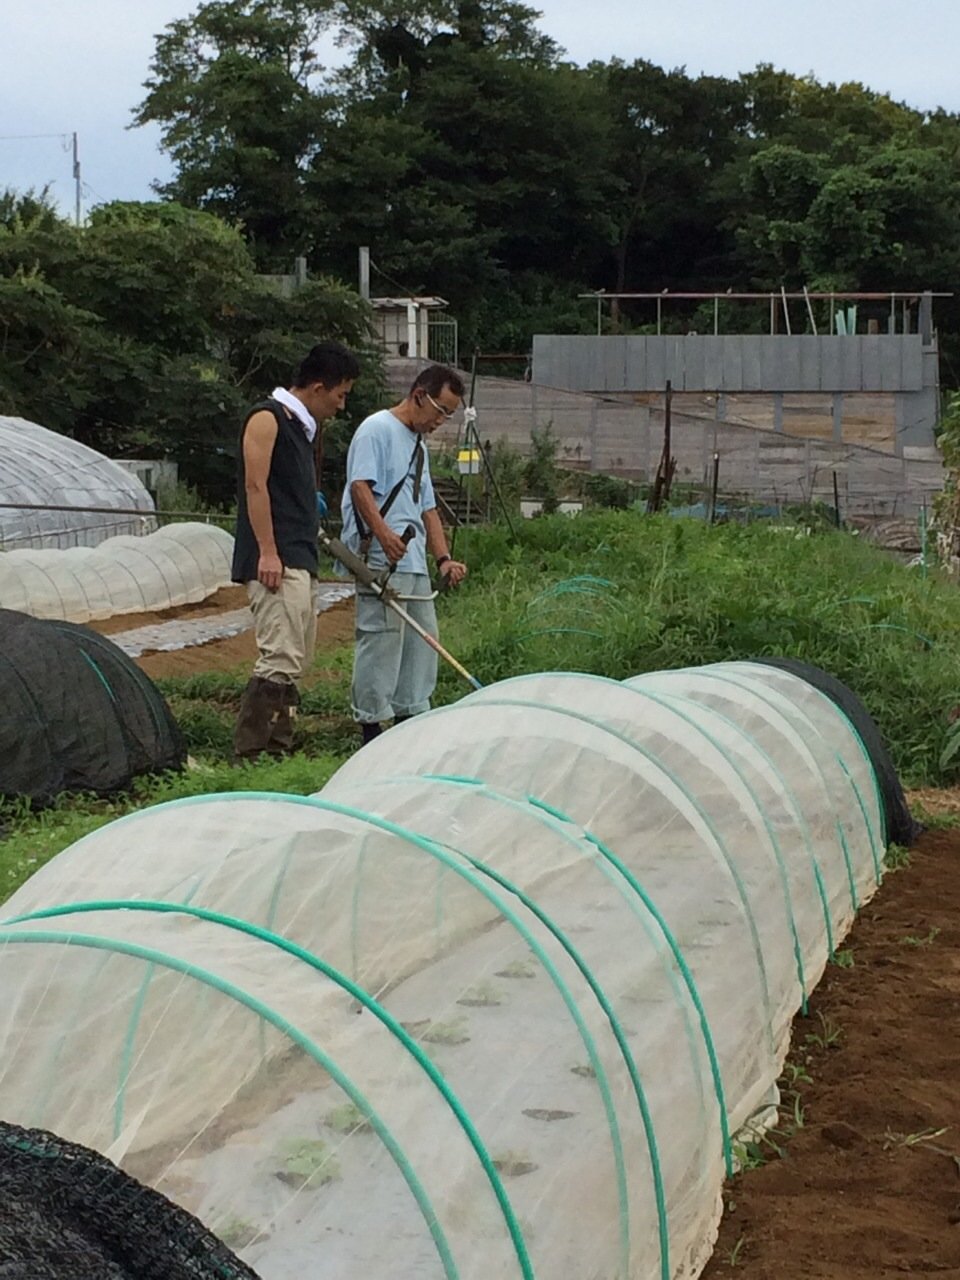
(477, 163)
(236, 92)
(148, 331)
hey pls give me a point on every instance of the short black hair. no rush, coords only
(328, 362)
(435, 377)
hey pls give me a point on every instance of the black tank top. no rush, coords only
(291, 484)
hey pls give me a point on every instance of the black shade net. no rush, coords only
(67, 1213)
(76, 713)
(901, 827)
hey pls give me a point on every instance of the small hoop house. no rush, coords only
(179, 564)
(497, 1001)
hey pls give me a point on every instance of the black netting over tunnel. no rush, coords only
(901, 826)
(76, 712)
(67, 1213)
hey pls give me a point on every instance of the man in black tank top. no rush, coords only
(275, 548)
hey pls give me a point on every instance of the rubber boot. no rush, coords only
(369, 731)
(281, 731)
(263, 703)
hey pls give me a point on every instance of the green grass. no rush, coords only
(31, 837)
(614, 593)
(684, 593)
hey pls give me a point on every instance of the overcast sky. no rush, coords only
(67, 65)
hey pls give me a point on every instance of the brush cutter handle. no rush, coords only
(406, 538)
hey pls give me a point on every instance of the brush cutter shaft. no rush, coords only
(377, 583)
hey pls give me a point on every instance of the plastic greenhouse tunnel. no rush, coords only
(48, 485)
(180, 564)
(500, 1000)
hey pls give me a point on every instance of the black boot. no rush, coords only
(369, 731)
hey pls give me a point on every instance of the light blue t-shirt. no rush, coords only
(381, 452)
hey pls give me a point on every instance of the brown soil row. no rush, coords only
(334, 629)
(869, 1186)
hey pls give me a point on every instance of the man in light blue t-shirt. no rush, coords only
(389, 490)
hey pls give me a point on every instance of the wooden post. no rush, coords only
(668, 459)
(667, 465)
(925, 320)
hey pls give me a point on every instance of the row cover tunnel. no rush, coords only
(497, 1001)
(177, 565)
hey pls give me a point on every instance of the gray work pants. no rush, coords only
(394, 670)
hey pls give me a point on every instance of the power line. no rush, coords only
(65, 138)
(24, 137)
(88, 190)
(407, 293)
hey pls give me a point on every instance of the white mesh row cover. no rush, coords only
(179, 564)
(41, 468)
(495, 1002)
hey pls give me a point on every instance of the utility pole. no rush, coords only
(76, 176)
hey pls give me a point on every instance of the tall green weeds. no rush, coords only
(683, 593)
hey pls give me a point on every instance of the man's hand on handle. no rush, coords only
(270, 572)
(394, 547)
(452, 573)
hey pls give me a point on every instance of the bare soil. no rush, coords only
(221, 601)
(233, 653)
(869, 1186)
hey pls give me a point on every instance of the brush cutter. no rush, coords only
(378, 581)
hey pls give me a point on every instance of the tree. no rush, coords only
(671, 137)
(19, 212)
(437, 123)
(478, 164)
(237, 90)
(394, 38)
(51, 346)
(890, 222)
(48, 349)
(490, 173)
(779, 185)
(887, 219)
(150, 331)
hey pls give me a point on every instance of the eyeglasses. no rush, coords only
(447, 413)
